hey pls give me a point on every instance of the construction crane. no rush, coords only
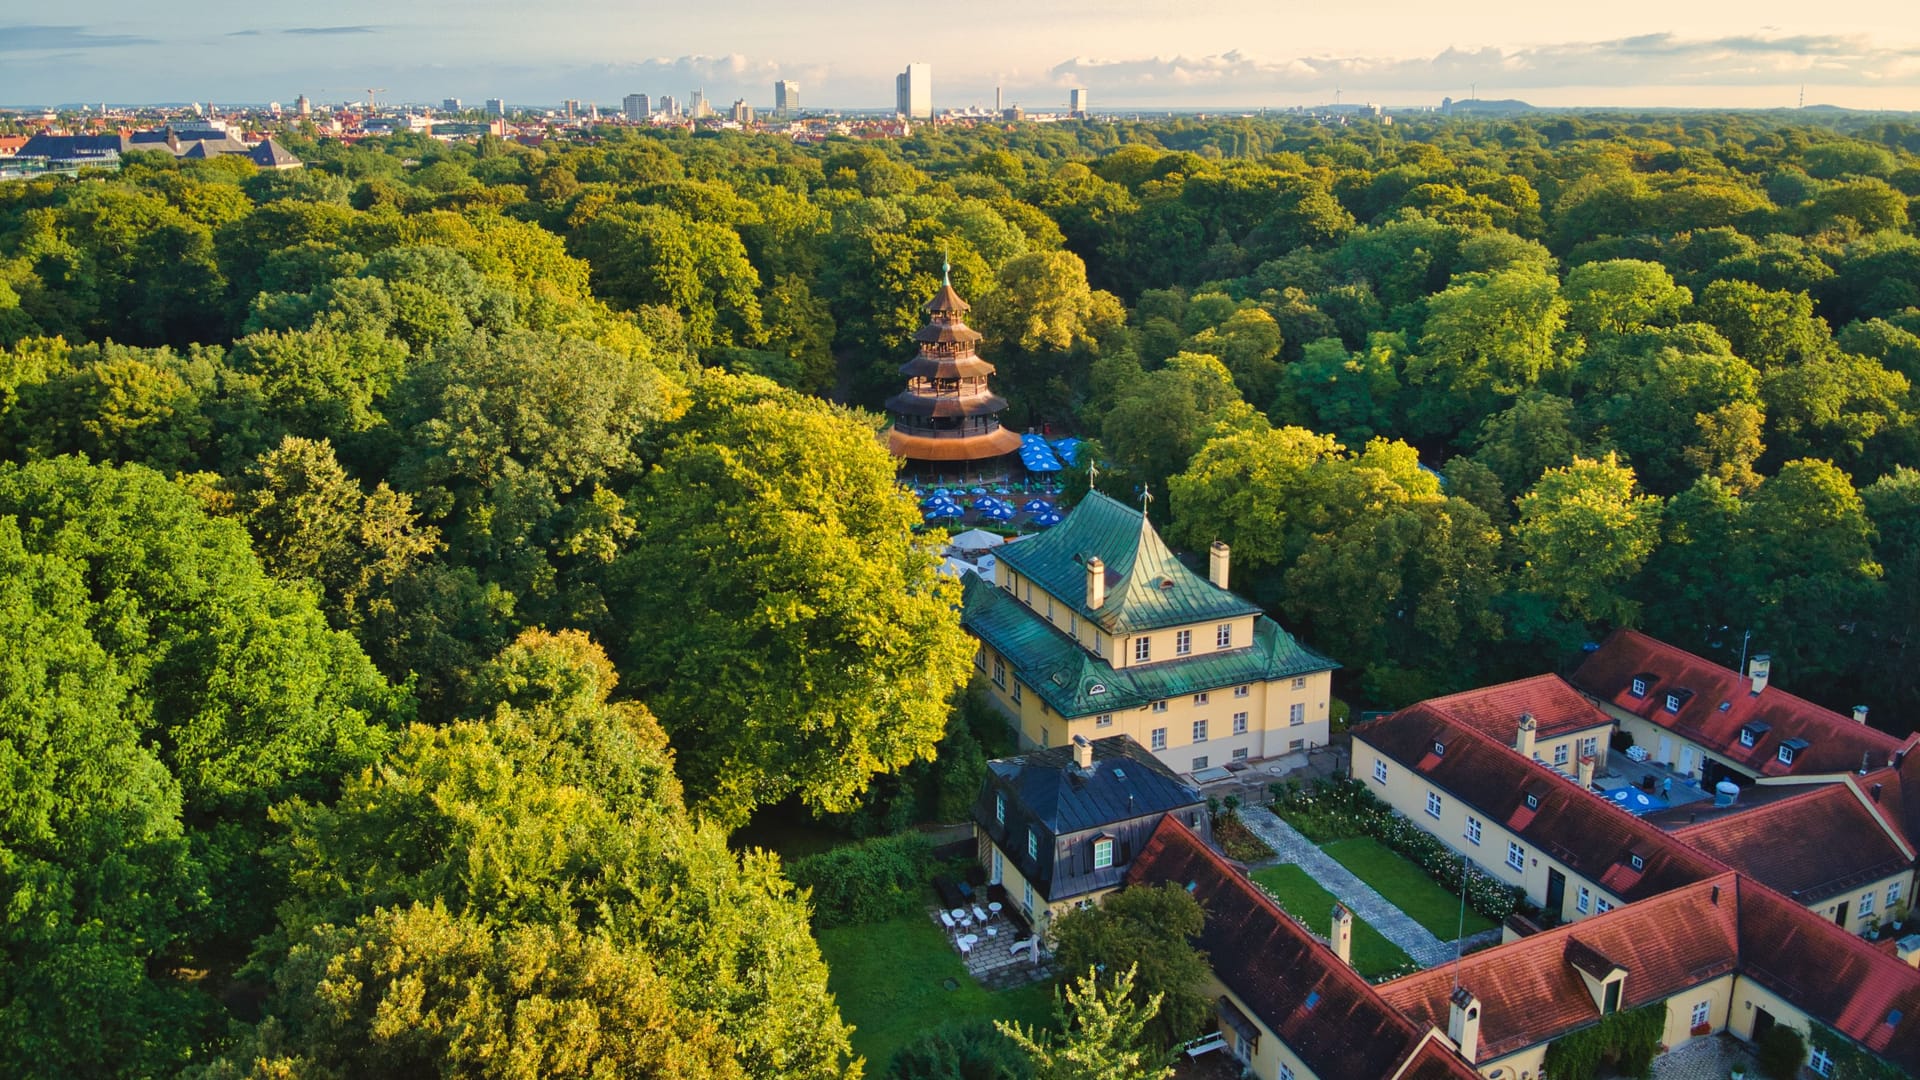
(370, 93)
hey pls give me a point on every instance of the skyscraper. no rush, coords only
(669, 107)
(1077, 103)
(451, 104)
(913, 92)
(697, 104)
(741, 113)
(636, 106)
(496, 106)
(786, 98)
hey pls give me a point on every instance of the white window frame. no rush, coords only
(1560, 754)
(980, 658)
(1000, 807)
(1157, 706)
(1199, 731)
(1105, 719)
(1240, 754)
(1183, 643)
(1242, 691)
(1784, 755)
(1866, 902)
(1380, 770)
(1199, 763)
(1673, 703)
(1746, 737)
(1296, 714)
(1819, 1061)
(1102, 854)
(1433, 804)
(1223, 636)
(1516, 856)
(1239, 723)
(999, 673)
(1893, 894)
(1202, 698)
(1639, 688)
(1583, 902)
(1299, 682)
(1285, 1073)
(1033, 843)
(1158, 738)
(1702, 1013)
(1590, 746)
(1142, 649)
(1473, 829)
(1602, 905)
(1016, 692)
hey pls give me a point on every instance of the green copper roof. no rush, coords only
(1147, 588)
(1074, 682)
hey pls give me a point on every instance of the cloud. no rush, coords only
(17, 39)
(322, 31)
(1643, 60)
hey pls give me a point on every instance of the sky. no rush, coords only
(1125, 53)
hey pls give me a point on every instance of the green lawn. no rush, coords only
(890, 979)
(1405, 886)
(1373, 955)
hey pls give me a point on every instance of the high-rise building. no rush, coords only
(697, 106)
(669, 107)
(636, 106)
(786, 98)
(741, 113)
(451, 104)
(913, 92)
(302, 106)
(496, 106)
(573, 108)
(1077, 103)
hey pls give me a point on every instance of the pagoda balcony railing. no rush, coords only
(949, 388)
(946, 427)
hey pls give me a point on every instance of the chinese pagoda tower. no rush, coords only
(947, 415)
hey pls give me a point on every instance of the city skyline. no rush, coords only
(1127, 54)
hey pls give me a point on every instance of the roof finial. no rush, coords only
(1146, 496)
(946, 271)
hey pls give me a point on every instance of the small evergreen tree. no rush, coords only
(1102, 1034)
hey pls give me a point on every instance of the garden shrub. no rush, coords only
(871, 881)
(960, 1050)
(1626, 1041)
(1781, 1053)
(1339, 810)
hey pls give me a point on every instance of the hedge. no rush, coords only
(871, 881)
(1338, 809)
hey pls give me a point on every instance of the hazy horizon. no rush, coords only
(1127, 54)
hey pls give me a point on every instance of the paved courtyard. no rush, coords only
(990, 955)
(1705, 1059)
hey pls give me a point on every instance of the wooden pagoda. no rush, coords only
(947, 415)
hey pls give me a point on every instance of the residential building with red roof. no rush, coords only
(1543, 718)
(1714, 723)
(1522, 822)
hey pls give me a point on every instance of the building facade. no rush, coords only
(1094, 629)
(636, 106)
(786, 98)
(913, 92)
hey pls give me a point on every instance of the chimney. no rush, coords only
(1343, 934)
(1096, 583)
(1082, 753)
(1217, 561)
(1523, 738)
(1859, 714)
(1463, 1022)
(1908, 950)
(1875, 791)
(1758, 669)
(1585, 772)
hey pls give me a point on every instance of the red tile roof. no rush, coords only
(1837, 978)
(1557, 708)
(1587, 834)
(1834, 743)
(1812, 846)
(1329, 1016)
(1530, 990)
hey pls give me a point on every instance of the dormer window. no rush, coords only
(1639, 688)
(1789, 749)
(1673, 703)
(1033, 844)
(1000, 807)
(1746, 737)
(1439, 748)
(1102, 854)
(1610, 1000)
(1636, 862)
(1533, 801)
(1786, 755)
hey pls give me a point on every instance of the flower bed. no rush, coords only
(1341, 809)
(1238, 841)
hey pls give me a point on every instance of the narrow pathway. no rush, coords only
(1393, 924)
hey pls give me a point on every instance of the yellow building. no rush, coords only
(1095, 629)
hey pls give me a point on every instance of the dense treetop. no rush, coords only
(322, 492)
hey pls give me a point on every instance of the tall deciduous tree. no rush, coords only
(1584, 531)
(1147, 931)
(1489, 338)
(791, 632)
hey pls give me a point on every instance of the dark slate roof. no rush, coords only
(1074, 682)
(1329, 1016)
(1047, 792)
(271, 155)
(1147, 588)
(1718, 702)
(68, 147)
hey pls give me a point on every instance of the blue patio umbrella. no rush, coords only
(1048, 520)
(1069, 450)
(1636, 802)
(1037, 506)
(1002, 512)
(1039, 459)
